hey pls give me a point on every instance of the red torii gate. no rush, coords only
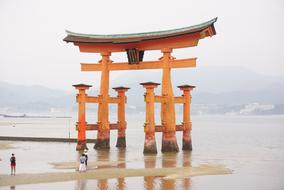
(135, 45)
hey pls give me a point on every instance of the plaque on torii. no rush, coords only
(135, 45)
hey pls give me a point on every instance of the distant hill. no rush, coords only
(214, 79)
(214, 85)
(219, 90)
(20, 98)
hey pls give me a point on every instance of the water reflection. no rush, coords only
(102, 155)
(119, 158)
(186, 162)
(168, 161)
(149, 181)
(121, 154)
(81, 184)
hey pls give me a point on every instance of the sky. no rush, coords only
(249, 35)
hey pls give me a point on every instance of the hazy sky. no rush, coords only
(250, 34)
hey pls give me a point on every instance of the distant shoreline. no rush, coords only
(43, 139)
(32, 116)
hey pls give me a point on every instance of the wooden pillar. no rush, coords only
(149, 127)
(103, 122)
(168, 117)
(81, 99)
(121, 141)
(186, 138)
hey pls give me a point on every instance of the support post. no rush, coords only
(121, 141)
(103, 123)
(149, 126)
(81, 99)
(186, 138)
(168, 117)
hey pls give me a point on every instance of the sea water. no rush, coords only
(252, 147)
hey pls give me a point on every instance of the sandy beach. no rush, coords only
(91, 164)
(6, 145)
(166, 173)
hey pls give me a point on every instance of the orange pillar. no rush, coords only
(121, 142)
(186, 139)
(81, 99)
(103, 123)
(168, 117)
(149, 127)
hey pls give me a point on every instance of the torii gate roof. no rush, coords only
(137, 40)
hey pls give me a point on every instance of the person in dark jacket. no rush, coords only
(13, 164)
(86, 155)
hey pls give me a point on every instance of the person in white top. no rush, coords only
(82, 166)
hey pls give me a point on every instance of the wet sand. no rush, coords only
(167, 173)
(91, 164)
(6, 145)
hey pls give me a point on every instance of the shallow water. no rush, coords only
(251, 146)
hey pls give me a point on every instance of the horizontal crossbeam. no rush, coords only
(114, 126)
(159, 128)
(97, 99)
(181, 63)
(94, 127)
(177, 100)
(92, 99)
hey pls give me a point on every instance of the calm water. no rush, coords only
(251, 146)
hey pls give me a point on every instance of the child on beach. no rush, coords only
(82, 166)
(13, 164)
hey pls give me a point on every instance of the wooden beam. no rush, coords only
(179, 100)
(179, 63)
(113, 100)
(139, 66)
(159, 99)
(92, 99)
(91, 67)
(94, 127)
(183, 63)
(96, 99)
(159, 128)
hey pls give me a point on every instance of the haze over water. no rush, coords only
(251, 146)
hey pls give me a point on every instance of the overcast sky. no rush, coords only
(250, 34)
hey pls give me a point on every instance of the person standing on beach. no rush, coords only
(82, 166)
(86, 155)
(13, 164)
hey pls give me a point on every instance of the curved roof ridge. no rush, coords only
(190, 29)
